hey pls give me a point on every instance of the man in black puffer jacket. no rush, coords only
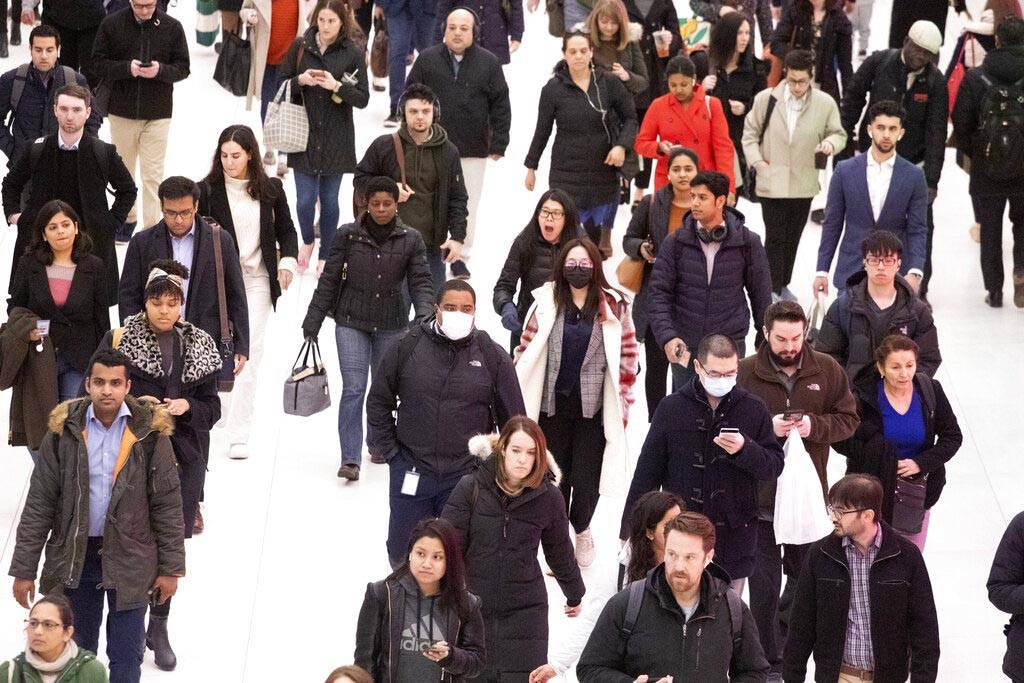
(704, 274)
(1006, 592)
(439, 384)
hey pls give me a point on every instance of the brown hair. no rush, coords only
(609, 9)
(355, 673)
(521, 423)
(349, 28)
(694, 524)
(79, 92)
(785, 311)
(858, 492)
(894, 343)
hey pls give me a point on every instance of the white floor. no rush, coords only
(275, 583)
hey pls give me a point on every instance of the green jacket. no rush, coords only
(84, 668)
(144, 530)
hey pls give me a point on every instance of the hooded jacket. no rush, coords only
(379, 632)
(665, 643)
(500, 536)
(1006, 593)
(143, 532)
(588, 126)
(33, 376)
(851, 332)
(81, 667)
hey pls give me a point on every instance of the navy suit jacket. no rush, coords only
(904, 213)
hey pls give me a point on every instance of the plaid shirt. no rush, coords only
(857, 651)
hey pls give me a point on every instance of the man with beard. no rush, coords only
(807, 391)
(879, 190)
(682, 622)
(863, 602)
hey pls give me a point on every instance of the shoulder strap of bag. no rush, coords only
(18, 87)
(399, 156)
(115, 337)
(767, 117)
(732, 599)
(406, 345)
(222, 306)
(636, 600)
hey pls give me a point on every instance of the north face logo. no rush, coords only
(813, 387)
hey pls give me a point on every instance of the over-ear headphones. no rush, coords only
(418, 91)
(716, 234)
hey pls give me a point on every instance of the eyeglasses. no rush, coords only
(176, 215)
(582, 263)
(838, 514)
(887, 261)
(798, 81)
(545, 213)
(33, 624)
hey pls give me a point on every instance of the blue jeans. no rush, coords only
(309, 188)
(69, 386)
(438, 268)
(268, 88)
(359, 353)
(598, 218)
(407, 29)
(126, 629)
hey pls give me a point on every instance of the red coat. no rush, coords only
(690, 125)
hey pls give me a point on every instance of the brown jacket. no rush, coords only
(822, 390)
(33, 376)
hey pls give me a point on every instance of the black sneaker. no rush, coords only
(460, 271)
(392, 121)
(349, 471)
(818, 216)
(994, 299)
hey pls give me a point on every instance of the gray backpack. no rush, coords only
(21, 77)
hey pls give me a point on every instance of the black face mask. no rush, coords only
(579, 276)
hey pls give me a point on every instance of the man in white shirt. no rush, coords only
(879, 190)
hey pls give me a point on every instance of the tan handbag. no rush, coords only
(630, 271)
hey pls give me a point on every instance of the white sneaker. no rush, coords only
(585, 549)
(238, 451)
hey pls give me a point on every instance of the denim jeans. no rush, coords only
(407, 29)
(438, 268)
(69, 386)
(309, 188)
(359, 353)
(268, 88)
(126, 629)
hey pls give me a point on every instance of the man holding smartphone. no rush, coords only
(709, 442)
(807, 391)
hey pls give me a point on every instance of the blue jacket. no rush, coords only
(904, 213)
(34, 117)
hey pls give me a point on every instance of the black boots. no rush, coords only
(157, 641)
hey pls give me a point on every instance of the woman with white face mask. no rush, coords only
(577, 363)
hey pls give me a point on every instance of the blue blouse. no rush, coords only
(905, 432)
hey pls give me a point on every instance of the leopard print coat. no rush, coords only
(200, 357)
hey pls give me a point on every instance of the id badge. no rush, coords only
(43, 326)
(410, 483)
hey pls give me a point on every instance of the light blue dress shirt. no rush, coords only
(182, 249)
(103, 445)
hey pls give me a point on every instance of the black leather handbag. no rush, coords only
(908, 503)
(234, 64)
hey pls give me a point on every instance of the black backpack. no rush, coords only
(1001, 134)
(636, 599)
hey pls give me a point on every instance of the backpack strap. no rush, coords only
(399, 156)
(735, 605)
(406, 345)
(17, 88)
(636, 600)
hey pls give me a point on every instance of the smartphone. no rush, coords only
(792, 414)
(318, 73)
(729, 431)
(683, 354)
(820, 160)
(154, 597)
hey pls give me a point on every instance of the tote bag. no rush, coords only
(286, 127)
(234, 63)
(800, 515)
(305, 390)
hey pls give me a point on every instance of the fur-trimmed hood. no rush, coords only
(484, 446)
(144, 417)
(636, 32)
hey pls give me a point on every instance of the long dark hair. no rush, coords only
(570, 228)
(722, 45)
(598, 282)
(260, 187)
(649, 510)
(805, 9)
(40, 248)
(349, 28)
(453, 584)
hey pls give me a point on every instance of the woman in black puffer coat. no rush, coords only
(531, 258)
(503, 512)
(362, 289)
(822, 27)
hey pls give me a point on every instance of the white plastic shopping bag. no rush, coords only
(800, 514)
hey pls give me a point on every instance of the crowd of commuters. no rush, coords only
(494, 455)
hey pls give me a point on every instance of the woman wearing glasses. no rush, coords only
(907, 433)
(50, 652)
(532, 256)
(576, 364)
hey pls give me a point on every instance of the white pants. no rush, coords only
(243, 396)
(473, 170)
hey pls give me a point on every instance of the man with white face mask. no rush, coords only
(441, 383)
(709, 443)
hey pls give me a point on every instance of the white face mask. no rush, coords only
(718, 386)
(456, 325)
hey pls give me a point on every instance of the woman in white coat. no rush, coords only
(577, 363)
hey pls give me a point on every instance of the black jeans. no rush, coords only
(655, 380)
(577, 443)
(990, 215)
(784, 221)
(771, 614)
(928, 252)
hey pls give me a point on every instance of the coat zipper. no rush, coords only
(391, 670)
(78, 514)
(451, 646)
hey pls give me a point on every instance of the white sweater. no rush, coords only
(245, 214)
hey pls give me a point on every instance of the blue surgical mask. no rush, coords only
(718, 386)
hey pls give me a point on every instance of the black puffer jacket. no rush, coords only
(833, 53)
(662, 15)
(1006, 592)
(370, 277)
(850, 333)
(332, 146)
(584, 136)
(1002, 66)
(870, 452)
(379, 632)
(121, 39)
(664, 643)
(648, 223)
(883, 76)
(682, 303)
(444, 392)
(500, 535)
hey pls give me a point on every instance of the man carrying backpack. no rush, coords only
(682, 621)
(988, 124)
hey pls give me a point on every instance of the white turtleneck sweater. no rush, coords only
(245, 214)
(49, 671)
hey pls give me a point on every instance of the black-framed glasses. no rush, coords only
(176, 215)
(33, 624)
(887, 261)
(839, 514)
(547, 213)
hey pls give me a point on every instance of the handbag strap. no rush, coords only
(218, 261)
(767, 117)
(400, 156)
